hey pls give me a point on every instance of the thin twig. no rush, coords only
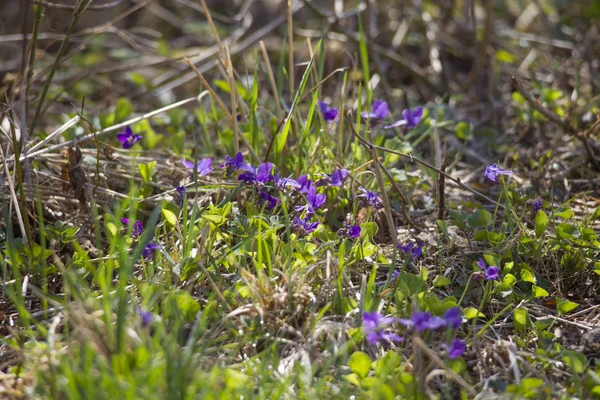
(426, 164)
(114, 127)
(418, 342)
(68, 7)
(272, 81)
(81, 6)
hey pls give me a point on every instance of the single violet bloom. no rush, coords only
(181, 190)
(395, 275)
(380, 111)
(412, 251)
(411, 119)
(204, 166)
(149, 250)
(371, 198)
(258, 176)
(350, 231)
(453, 318)
(489, 273)
(305, 184)
(270, 201)
(374, 326)
(354, 231)
(234, 164)
(537, 205)
(128, 138)
(283, 183)
(329, 113)
(493, 172)
(146, 316)
(305, 224)
(421, 321)
(456, 348)
(138, 228)
(336, 178)
(314, 201)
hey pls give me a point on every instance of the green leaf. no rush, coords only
(521, 316)
(505, 57)
(541, 223)
(353, 379)
(575, 360)
(527, 276)
(472, 312)
(566, 214)
(566, 231)
(151, 138)
(480, 218)
(360, 363)
(531, 383)
(411, 284)
(441, 281)
(462, 130)
(596, 214)
(564, 306)
(234, 379)
(539, 292)
(188, 306)
(169, 217)
(124, 109)
(147, 171)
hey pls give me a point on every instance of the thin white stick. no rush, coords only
(13, 196)
(57, 132)
(116, 127)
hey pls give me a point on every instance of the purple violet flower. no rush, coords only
(412, 251)
(411, 119)
(374, 325)
(395, 275)
(371, 198)
(453, 318)
(138, 228)
(283, 183)
(305, 184)
(537, 205)
(315, 201)
(204, 166)
(181, 190)
(146, 316)
(493, 172)
(456, 348)
(271, 201)
(149, 250)
(351, 231)
(336, 178)
(489, 273)
(380, 111)
(258, 176)
(127, 138)
(305, 224)
(234, 164)
(421, 321)
(329, 113)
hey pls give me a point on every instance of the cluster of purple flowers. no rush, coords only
(137, 230)
(376, 328)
